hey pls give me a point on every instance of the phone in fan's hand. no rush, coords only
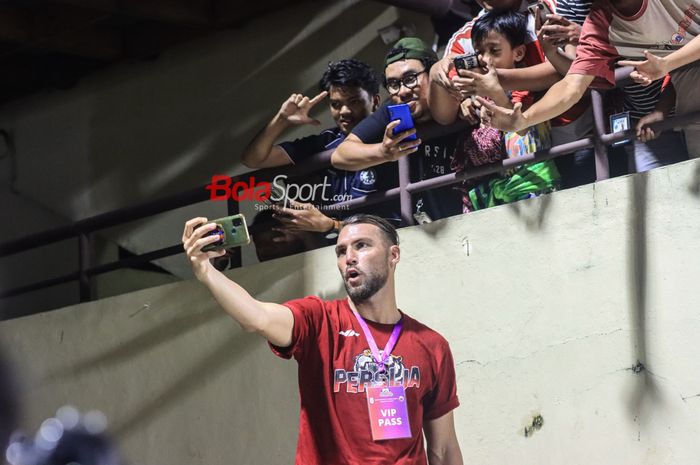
(540, 10)
(232, 232)
(620, 123)
(467, 61)
(402, 113)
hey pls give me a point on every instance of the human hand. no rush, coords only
(644, 133)
(501, 118)
(193, 240)
(464, 82)
(392, 147)
(558, 30)
(295, 110)
(484, 81)
(440, 75)
(302, 217)
(469, 110)
(647, 71)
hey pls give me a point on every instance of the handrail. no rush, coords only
(321, 160)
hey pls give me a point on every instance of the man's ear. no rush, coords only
(375, 102)
(519, 53)
(395, 254)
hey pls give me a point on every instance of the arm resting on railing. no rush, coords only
(355, 155)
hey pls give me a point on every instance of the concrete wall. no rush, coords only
(551, 306)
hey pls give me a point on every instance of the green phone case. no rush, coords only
(235, 233)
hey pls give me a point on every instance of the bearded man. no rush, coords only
(359, 403)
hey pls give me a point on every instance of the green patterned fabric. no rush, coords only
(527, 181)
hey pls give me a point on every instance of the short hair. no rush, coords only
(350, 73)
(387, 229)
(511, 24)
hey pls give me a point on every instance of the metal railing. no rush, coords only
(83, 229)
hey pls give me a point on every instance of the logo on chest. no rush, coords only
(365, 371)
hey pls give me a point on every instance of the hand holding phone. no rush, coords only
(467, 61)
(540, 10)
(232, 232)
(402, 113)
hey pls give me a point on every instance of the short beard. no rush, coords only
(373, 283)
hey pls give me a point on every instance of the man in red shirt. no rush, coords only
(359, 404)
(618, 29)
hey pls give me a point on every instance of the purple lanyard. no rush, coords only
(380, 359)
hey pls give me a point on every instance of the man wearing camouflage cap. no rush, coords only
(372, 142)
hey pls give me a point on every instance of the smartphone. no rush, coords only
(540, 10)
(232, 232)
(403, 113)
(467, 61)
(620, 123)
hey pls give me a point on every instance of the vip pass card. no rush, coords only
(388, 414)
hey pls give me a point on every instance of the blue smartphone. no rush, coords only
(403, 113)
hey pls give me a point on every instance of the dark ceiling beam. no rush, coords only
(147, 40)
(436, 8)
(186, 12)
(235, 13)
(55, 30)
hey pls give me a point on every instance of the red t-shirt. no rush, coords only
(661, 26)
(595, 55)
(335, 364)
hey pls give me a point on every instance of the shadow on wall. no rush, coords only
(523, 211)
(130, 349)
(225, 355)
(694, 186)
(646, 390)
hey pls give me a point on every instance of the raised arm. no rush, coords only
(559, 31)
(262, 152)
(272, 321)
(441, 438)
(443, 99)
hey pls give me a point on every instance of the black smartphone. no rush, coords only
(540, 10)
(403, 113)
(467, 61)
(232, 232)
(620, 123)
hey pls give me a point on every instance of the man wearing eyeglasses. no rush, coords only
(372, 142)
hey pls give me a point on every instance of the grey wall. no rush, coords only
(548, 304)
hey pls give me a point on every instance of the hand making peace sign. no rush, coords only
(296, 108)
